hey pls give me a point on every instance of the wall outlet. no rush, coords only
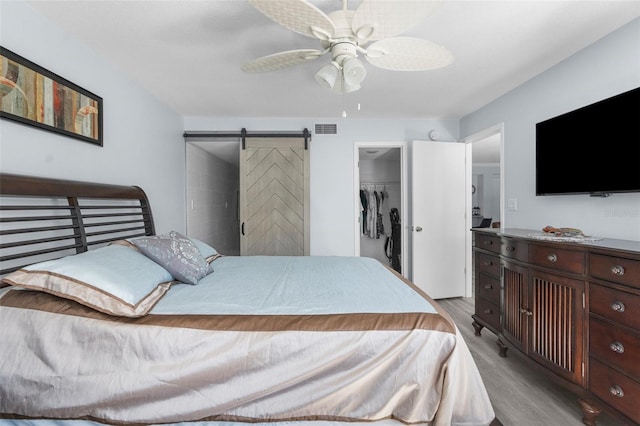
(512, 204)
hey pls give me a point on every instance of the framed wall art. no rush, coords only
(32, 95)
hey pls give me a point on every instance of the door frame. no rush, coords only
(402, 145)
(496, 129)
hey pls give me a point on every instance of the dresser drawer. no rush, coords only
(616, 269)
(487, 242)
(489, 312)
(618, 306)
(488, 287)
(514, 249)
(557, 258)
(615, 347)
(616, 389)
(488, 264)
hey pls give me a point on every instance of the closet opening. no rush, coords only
(380, 203)
(212, 198)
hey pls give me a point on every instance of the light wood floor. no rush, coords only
(520, 395)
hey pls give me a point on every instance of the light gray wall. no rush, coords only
(143, 142)
(212, 216)
(332, 187)
(606, 68)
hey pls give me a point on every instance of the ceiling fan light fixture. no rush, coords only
(328, 75)
(354, 71)
(348, 87)
(345, 33)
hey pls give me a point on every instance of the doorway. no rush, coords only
(212, 199)
(248, 192)
(381, 203)
(485, 172)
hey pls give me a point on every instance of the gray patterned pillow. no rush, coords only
(177, 254)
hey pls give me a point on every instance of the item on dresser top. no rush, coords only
(564, 232)
(551, 233)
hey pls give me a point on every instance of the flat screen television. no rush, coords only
(591, 150)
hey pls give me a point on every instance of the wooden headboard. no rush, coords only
(43, 218)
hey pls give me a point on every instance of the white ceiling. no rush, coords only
(188, 54)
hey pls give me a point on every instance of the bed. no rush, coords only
(102, 320)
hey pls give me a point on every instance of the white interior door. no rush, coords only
(439, 227)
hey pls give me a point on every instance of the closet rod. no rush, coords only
(380, 183)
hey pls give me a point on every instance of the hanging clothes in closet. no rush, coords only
(394, 240)
(364, 204)
(380, 223)
(372, 201)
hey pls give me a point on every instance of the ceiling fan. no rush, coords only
(346, 33)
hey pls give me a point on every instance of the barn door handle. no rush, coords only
(242, 228)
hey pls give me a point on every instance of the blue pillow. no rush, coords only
(115, 279)
(208, 252)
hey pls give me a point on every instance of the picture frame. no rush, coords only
(35, 96)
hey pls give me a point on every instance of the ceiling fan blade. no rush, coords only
(408, 54)
(282, 60)
(379, 19)
(297, 15)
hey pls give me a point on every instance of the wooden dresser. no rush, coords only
(572, 309)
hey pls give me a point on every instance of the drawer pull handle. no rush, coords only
(488, 263)
(488, 311)
(488, 286)
(617, 347)
(552, 258)
(510, 248)
(488, 242)
(616, 390)
(618, 306)
(617, 270)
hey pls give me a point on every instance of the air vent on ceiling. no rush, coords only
(326, 129)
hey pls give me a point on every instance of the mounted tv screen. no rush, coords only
(592, 150)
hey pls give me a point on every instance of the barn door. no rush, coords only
(274, 197)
